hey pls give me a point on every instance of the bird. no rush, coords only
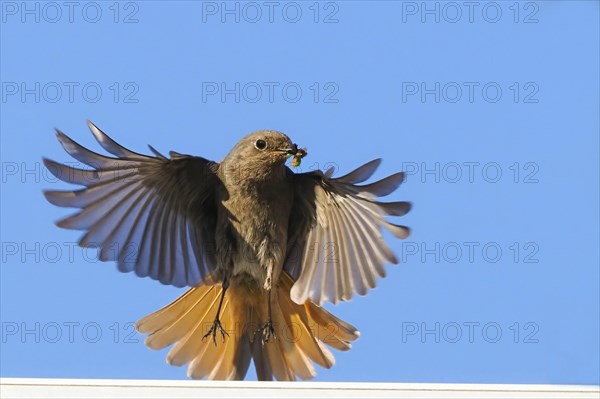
(260, 247)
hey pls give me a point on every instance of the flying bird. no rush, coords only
(260, 246)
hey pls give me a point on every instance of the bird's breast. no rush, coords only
(256, 237)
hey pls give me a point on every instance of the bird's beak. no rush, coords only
(291, 151)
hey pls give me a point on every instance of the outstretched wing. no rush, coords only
(151, 214)
(335, 244)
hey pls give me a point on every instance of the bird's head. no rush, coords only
(264, 151)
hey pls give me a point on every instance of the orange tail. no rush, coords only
(300, 332)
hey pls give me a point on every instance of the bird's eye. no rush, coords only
(260, 144)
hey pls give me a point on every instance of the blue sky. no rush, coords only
(492, 108)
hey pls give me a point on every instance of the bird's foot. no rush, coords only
(266, 332)
(216, 326)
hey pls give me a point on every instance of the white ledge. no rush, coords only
(149, 389)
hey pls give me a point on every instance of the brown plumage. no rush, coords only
(261, 246)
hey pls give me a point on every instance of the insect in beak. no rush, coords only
(296, 153)
(300, 153)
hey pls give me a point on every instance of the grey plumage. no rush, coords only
(255, 241)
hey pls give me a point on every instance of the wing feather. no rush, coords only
(153, 215)
(337, 211)
(124, 227)
(361, 173)
(113, 147)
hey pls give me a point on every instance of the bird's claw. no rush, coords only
(266, 331)
(213, 332)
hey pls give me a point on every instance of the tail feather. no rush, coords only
(277, 362)
(261, 361)
(242, 360)
(295, 358)
(306, 339)
(331, 330)
(301, 331)
(343, 331)
(169, 323)
(234, 357)
(209, 363)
